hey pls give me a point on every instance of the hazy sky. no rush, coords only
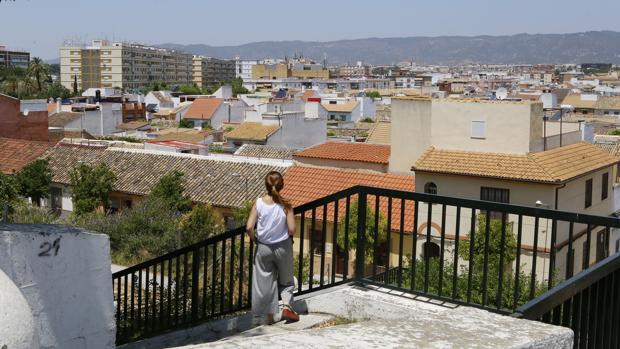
(42, 25)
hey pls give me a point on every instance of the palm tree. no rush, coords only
(39, 71)
(11, 79)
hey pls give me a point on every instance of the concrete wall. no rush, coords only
(91, 121)
(64, 274)
(411, 125)
(299, 132)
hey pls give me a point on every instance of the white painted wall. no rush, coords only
(64, 274)
(299, 132)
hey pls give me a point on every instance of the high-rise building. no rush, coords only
(209, 71)
(14, 58)
(122, 65)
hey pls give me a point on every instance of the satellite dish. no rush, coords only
(26, 111)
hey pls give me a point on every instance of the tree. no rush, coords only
(39, 71)
(57, 90)
(494, 244)
(190, 89)
(170, 190)
(237, 87)
(8, 191)
(241, 214)
(185, 123)
(199, 224)
(75, 85)
(373, 94)
(370, 230)
(91, 188)
(34, 180)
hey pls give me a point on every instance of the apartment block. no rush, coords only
(14, 58)
(122, 65)
(209, 71)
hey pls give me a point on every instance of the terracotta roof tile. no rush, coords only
(362, 152)
(304, 184)
(341, 108)
(551, 166)
(17, 153)
(252, 131)
(203, 108)
(207, 181)
(265, 151)
(380, 134)
(62, 119)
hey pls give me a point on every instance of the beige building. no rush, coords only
(122, 65)
(210, 71)
(284, 70)
(512, 127)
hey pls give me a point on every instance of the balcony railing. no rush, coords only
(484, 254)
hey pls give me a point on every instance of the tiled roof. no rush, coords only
(132, 125)
(380, 134)
(551, 166)
(252, 131)
(608, 102)
(51, 108)
(362, 152)
(203, 108)
(577, 102)
(17, 153)
(304, 184)
(62, 119)
(206, 180)
(162, 96)
(265, 151)
(341, 108)
(181, 134)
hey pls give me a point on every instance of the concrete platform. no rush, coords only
(387, 319)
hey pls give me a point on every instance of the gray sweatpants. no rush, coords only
(273, 274)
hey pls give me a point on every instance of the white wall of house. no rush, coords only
(299, 132)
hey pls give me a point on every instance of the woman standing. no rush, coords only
(273, 261)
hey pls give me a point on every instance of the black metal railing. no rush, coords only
(485, 254)
(588, 303)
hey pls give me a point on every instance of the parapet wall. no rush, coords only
(64, 274)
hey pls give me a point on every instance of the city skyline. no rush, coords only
(153, 22)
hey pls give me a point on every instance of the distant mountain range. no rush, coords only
(594, 46)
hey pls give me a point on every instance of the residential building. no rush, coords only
(208, 180)
(380, 133)
(270, 71)
(14, 58)
(305, 70)
(208, 71)
(345, 111)
(213, 112)
(593, 105)
(250, 133)
(472, 125)
(122, 65)
(95, 120)
(353, 71)
(156, 100)
(243, 68)
(26, 119)
(361, 156)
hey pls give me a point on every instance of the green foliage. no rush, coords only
(331, 133)
(91, 187)
(228, 128)
(305, 269)
(34, 180)
(494, 244)
(216, 148)
(199, 223)
(120, 138)
(373, 94)
(615, 132)
(237, 87)
(367, 119)
(38, 71)
(185, 123)
(170, 190)
(190, 89)
(9, 190)
(206, 126)
(370, 230)
(241, 214)
(57, 90)
(24, 213)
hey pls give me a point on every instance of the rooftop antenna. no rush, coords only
(324, 60)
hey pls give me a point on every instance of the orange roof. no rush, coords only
(308, 94)
(304, 184)
(362, 152)
(51, 108)
(203, 108)
(552, 166)
(15, 154)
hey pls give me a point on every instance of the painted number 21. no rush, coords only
(47, 248)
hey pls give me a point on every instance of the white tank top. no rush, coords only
(271, 226)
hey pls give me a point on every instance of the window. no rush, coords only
(584, 256)
(431, 250)
(588, 200)
(478, 129)
(495, 194)
(430, 188)
(605, 186)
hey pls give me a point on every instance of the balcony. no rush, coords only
(467, 254)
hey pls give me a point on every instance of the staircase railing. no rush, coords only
(369, 235)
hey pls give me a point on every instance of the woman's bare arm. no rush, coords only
(290, 222)
(249, 227)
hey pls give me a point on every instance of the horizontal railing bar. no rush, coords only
(568, 288)
(209, 241)
(327, 199)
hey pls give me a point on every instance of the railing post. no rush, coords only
(195, 283)
(360, 245)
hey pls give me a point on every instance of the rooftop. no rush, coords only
(265, 151)
(341, 108)
(62, 118)
(380, 134)
(203, 108)
(361, 152)
(552, 166)
(15, 154)
(207, 180)
(252, 131)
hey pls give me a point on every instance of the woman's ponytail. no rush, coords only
(274, 182)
